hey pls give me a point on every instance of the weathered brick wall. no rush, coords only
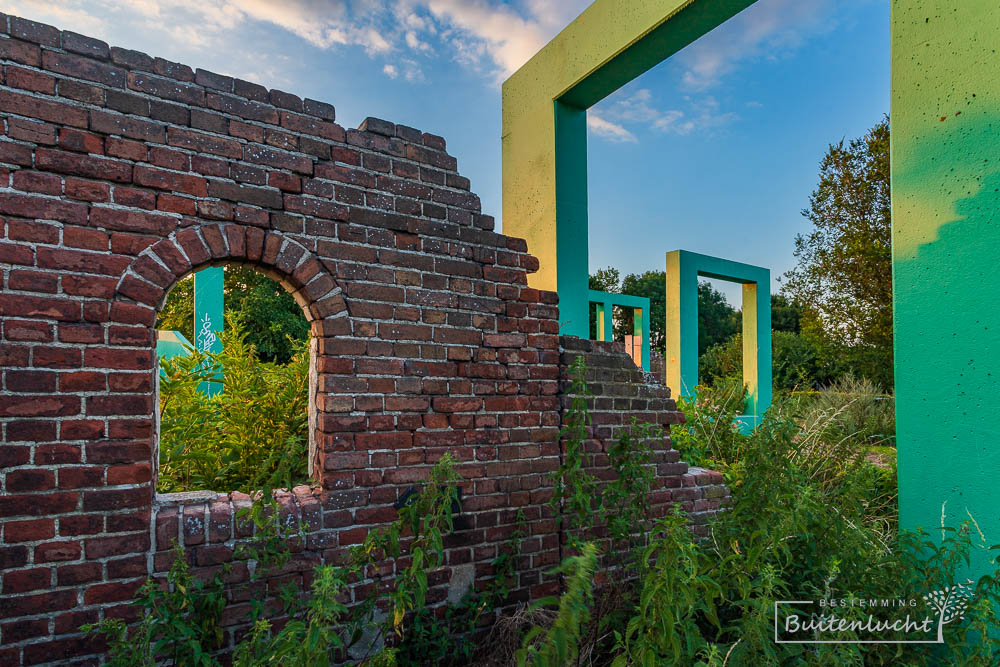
(621, 393)
(119, 175)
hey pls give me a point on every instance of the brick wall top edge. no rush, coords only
(51, 38)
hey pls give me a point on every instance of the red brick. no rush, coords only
(172, 181)
(28, 531)
(77, 188)
(132, 221)
(81, 429)
(134, 198)
(82, 67)
(131, 474)
(124, 148)
(28, 130)
(58, 551)
(30, 381)
(88, 166)
(52, 454)
(205, 143)
(40, 208)
(80, 142)
(30, 480)
(81, 477)
(34, 107)
(33, 181)
(27, 330)
(22, 581)
(19, 631)
(43, 405)
(81, 573)
(111, 592)
(36, 504)
(81, 524)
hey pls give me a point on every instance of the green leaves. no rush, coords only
(250, 436)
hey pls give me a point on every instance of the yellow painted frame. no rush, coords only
(545, 127)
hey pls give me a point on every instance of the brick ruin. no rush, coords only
(120, 174)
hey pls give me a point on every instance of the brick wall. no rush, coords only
(120, 174)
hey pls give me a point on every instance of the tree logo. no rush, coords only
(951, 603)
(853, 620)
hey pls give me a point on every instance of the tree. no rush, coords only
(785, 315)
(717, 320)
(844, 271)
(269, 312)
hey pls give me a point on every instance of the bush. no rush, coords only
(252, 435)
(797, 361)
(810, 520)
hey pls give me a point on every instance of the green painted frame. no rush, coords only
(545, 127)
(683, 270)
(640, 324)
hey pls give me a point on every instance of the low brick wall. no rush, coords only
(120, 174)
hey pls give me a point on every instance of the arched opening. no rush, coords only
(236, 383)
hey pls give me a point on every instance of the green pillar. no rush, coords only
(208, 316)
(945, 242)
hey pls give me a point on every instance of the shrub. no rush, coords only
(808, 522)
(251, 435)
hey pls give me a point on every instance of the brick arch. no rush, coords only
(152, 274)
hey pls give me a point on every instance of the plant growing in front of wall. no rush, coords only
(179, 624)
(559, 644)
(449, 639)
(574, 489)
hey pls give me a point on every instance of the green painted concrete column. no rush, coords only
(946, 243)
(209, 300)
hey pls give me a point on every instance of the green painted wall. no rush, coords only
(946, 245)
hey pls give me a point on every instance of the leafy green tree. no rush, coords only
(606, 280)
(844, 271)
(273, 321)
(785, 314)
(717, 320)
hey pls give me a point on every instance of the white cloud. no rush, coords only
(607, 129)
(701, 114)
(768, 28)
(390, 71)
(490, 35)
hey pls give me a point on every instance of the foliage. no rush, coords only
(445, 639)
(785, 315)
(809, 521)
(273, 322)
(559, 645)
(717, 320)
(573, 487)
(302, 641)
(180, 623)
(798, 361)
(844, 271)
(251, 435)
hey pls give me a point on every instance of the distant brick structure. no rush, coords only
(120, 174)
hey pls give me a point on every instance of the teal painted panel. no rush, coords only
(945, 242)
(209, 300)
(684, 268)
(171, 344)
(605, 302)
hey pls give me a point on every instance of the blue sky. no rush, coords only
(715, 150)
